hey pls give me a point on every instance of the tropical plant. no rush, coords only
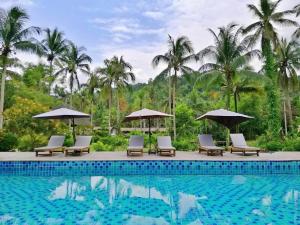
(230, 57)
(123, 74)
(72, 61)
(92, 85)
(52, 46)
(115, 74)
(287, 62)
(264, 30)
(14, 36)
(296, 34)
(179, 54)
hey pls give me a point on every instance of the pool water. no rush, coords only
(182, 199)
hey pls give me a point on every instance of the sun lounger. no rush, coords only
(55, 144)
(164, 146)
(207, 144)
(239, 145)
(136, 145)
(82, 144)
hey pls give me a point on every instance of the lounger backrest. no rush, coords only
(136, 141)
(206, 140)
(83, 141)
(56, 141)
(164, 141)
(238, 140)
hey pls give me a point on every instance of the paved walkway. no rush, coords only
(180, 155)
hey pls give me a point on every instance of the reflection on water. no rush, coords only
(150, 200)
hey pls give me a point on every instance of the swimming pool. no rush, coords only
(105, 196)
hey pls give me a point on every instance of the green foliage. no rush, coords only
(99, 146)
(292, 144)
(28, 142)
(185, 121)
(186, 144)
(8, 141)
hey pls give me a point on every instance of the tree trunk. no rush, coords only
(274, 121)
(3, 79)
(235, 102)
(284, 116)
(51, 75)
(118, 108)
(289, 112)
(91, 109)
(109, 110)
(174, 104)
(170, 93)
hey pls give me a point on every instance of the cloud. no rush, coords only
(9, 3)
(154, 15)
(123, 29)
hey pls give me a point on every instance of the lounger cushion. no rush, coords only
(162, 148)
(238, 140)
(136, 148)
(46, 148)
(248, 148)
(212, 147)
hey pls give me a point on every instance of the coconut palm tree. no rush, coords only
(92, 85)
(123, 75)
(52, 46)
(230, 57)
(117, 73)
(287, 62)
(297, 12)
(14, 36)
(264, 29)
(72, 61)
(179, 54)
(107, 77)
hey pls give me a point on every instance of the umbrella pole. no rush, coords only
(149, 151)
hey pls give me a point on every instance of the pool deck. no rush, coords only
(180, 155)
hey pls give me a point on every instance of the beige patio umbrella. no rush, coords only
(225, 117)
(63, 113)
(146, 114)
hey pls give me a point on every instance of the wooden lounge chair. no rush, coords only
(82, 144)
(207, 144)
(136, 145)
(164, 146)
(55, 144)
(239, 145)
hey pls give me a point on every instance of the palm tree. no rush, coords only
(116, 74)
(244, 84)
(297, 12)
(179, 54)
(264, 30)
(287, 63)
(92, 85)
(123, 74)
(52, 46)
(14, 36)
(107, 78)
(230, 58)
(71, 62)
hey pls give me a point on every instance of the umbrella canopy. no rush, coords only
(225, 117)
(62, 113)
(146, 114)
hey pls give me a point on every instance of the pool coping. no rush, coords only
(121, 156)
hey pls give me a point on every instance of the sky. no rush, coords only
(136, 29)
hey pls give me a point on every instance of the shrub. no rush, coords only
(8, 141)
(69, 140)
(185, 145)
(274, 145)
(100, 146)
(29, 142)
(292, 144)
